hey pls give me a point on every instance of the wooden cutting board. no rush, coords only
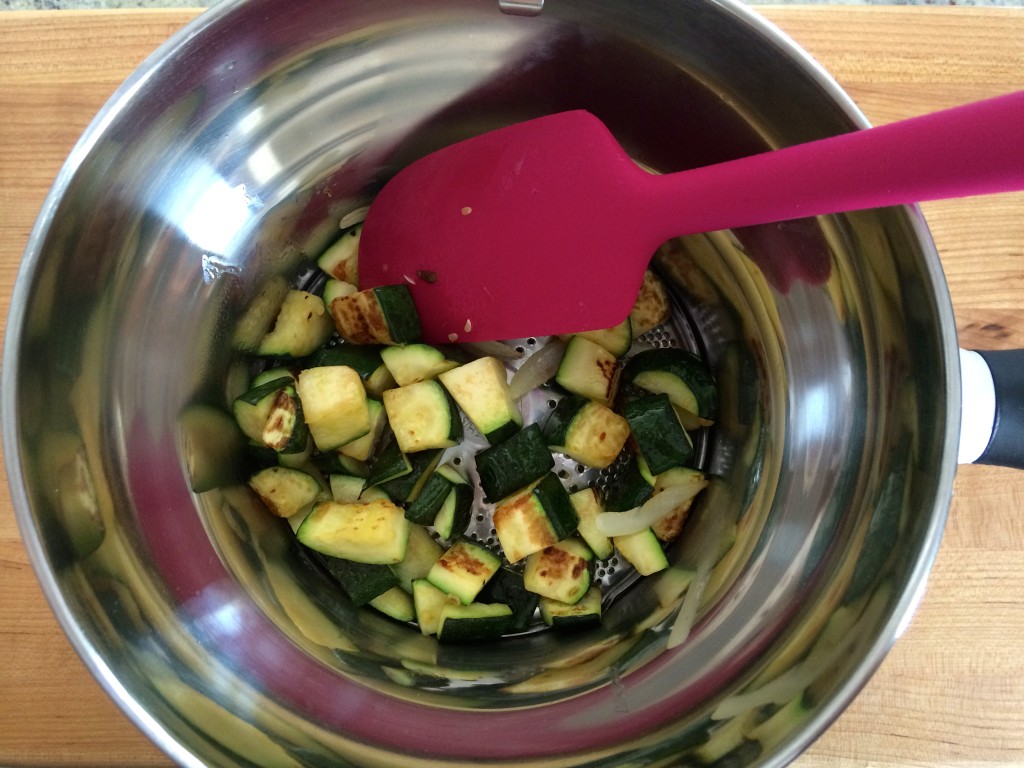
(952, 690)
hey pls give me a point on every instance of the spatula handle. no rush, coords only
(973, 149)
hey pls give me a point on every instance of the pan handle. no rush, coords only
(992, 416)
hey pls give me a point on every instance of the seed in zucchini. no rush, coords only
(588, 369)
(477, 621)
(383, 315)
(334, 404)
(341, 259)
(587, 503)
(362, 448)
(410, 363)
(678, 373)
(428, 601)
(659, 435)
(302, 325)
(535, 518)
(481, 389)
(560, 572)
(643, 551)
(362, 582)
(464, 569)
(587, 431)
(423, 416)
(513, 464)
(365, 359)
(285, 491)
(586, 611)
(366, 532)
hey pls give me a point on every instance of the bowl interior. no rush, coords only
(231, 158)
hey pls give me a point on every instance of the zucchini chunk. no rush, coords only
(334, 404)
(643, 551)
(420, 555)
(584, 430)
(464, 569)
(432, 497)
(362, 448)
(513, 464)
(588, 369)
(587, 503)
(652, 306)
(383, 315)
(410, 363)
(506, 586)
(669, 527)
(535, 518)
(477, 621)
(389, 464)
(453, 518)
(285, 430)
(396, 603)
(335, 288)
(302, 325)
(681, 375)
(341, 259)
(658, 433)
(481, 389)
(631, 489)
(365, 360)
(366, 532)
(362, 582)
(587, 610)
(285, 491)
(560, 572)
(252, 408)
(350, 488)
(423, 416)
(617, 339)
(406, 488)
(429, 601)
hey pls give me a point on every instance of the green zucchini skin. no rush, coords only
(389, 464)
(513, 464)
(557, 505)
(251, 409)
(684, 364)
(433, 494)
(476, 621)
(563, 616)
(399, 312)
(631, 490)
(407, 487)
(453, 518)
(365, 359)
(361, 581)
(660, 436)
(506, 586)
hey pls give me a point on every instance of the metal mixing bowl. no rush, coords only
(231, 156)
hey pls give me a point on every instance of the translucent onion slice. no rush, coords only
(498, 349)
(538, 368)
(651, 511)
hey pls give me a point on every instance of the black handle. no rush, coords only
(1006, 447)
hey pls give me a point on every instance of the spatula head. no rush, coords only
(528, 230)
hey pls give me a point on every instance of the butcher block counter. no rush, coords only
(951, 692)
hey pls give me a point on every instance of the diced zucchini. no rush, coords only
(560, 572)
(506, 586)
(285, 430)
(260, 314)
(341, 259)
(362, 582)
(481, 389)
(362, 448)
(617, 339)
(514, 463)
(366, 532)
(587, 503)
(477, 621)
(587, 610)
(300, 458)
(535, 518)
(423, 416)
(670, 526)
(678, 373)
(429, 601)
(421, 553)
(406, 488)
(366, 360)
(652, 306)
(453, 517)
(396, 603)
(631, 488)
(334, 404)
(588, 369)
(335, 288)
(428, 503)
(643, 551)
(252, 408)
(587, 431)
(302, 325)
(271, 374)
(389, 463)
(285, 491)
(211, 443)
(410, 363)
(383, 315)
(464, 569)
(349, 488)
(659, 435)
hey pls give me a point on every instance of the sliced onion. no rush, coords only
(498, 349)
(650, 512)
(538, 368)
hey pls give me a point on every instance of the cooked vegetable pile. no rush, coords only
(356, 426)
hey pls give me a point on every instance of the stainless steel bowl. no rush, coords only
(231, 156)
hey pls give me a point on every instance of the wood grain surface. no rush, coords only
(951, 693)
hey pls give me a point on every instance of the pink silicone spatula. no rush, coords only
(546, 226)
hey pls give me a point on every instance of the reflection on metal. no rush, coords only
(521, 7)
